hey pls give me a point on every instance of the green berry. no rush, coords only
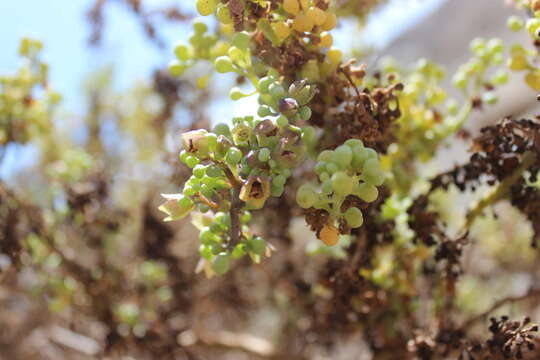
(216, 248)
(185, 202)
(189, 191)
(342, 183)
(332, 167)
(306, 196)
(246, 217)
(460, 80)
(371, 154)
(182, 52)
(191, 161)
(372, 172)
(282, 121)
(478, 45)
(214, 171)
(216, 228)
(368, 193)
(265, 83)
(176, 68)
(308, 134)
(354, 143)
(223, 14)
(221, 263)
(236, 94)
(343, 156)
(237, 56)
(238, 251)
(495, 46)
(326, 155)
(199, 171)
(257, 245)
(206, 7)
(354, 217)
(207, 191)
(326, 187)
(200, 28)
(279, 180)
(276, 190)
(183, 155)
(515, 23)
(206, 236)
(273, 73)
(360, 155)
(264, 111)
(241, 40)
(264, 155)
(452, 107)
(233, 156)
(206, 251)
(276, 90)
(532, 27)
(224, 64)
(223, 218)
(305, 113)
(222, 129)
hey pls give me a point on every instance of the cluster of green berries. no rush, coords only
(423, 84)
(532, 25)
(350, 169)
(72, 165)
(153, 272)
(519, 56)
(215, 249)
(263, 154)
(519, 61)
(288, 104)
(238, 57)
(202, 46)
(475, 74)
(427, 116)
(26, 100)
(256, 155)
(423, 98)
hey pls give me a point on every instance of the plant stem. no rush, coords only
(236, 206)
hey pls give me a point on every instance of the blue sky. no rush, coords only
(63, 27)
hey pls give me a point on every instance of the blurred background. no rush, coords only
(107, 59)
(438, 29)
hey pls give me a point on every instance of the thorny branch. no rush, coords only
(500, 191)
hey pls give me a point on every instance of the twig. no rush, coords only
(245, 342)
(253, 345)
(230, 176)
(236, 206)
(532, 293)
(351, 82)
(212, 205)
(75, 341)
